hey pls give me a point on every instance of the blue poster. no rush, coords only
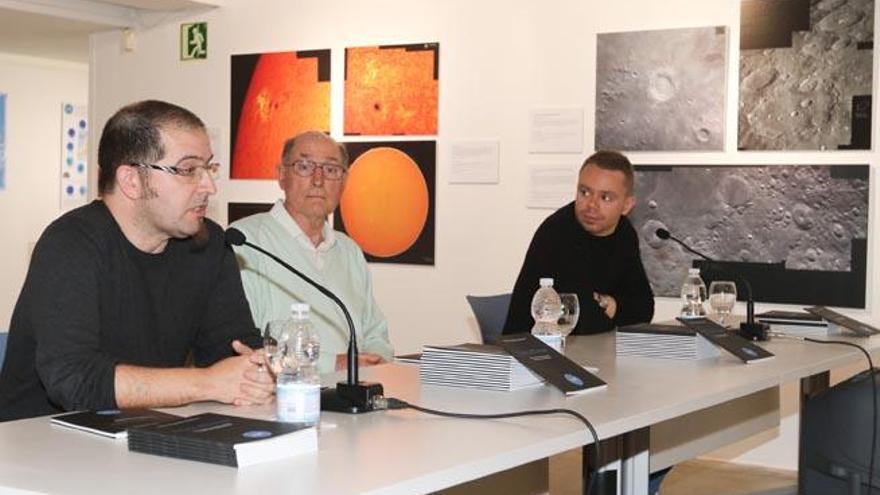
(2, 141)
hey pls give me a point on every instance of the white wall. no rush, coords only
(498, 59)
(36, 89)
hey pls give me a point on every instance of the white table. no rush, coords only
(408, 452)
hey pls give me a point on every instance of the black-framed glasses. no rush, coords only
(191, 170)
(306, 168)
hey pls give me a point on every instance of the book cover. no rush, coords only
(843, 321)
(748, 352)
(561, 372)
(657, 329)
(113, 423)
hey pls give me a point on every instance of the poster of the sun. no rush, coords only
(388, 203)
(74, 155)
(274, 97)
(391, 90)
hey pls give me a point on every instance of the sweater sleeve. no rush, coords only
(635, 302)
(61, 301)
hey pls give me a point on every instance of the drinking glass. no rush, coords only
(275, 344)
(722, 298)
(571, 309)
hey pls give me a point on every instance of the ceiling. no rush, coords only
(59, 29)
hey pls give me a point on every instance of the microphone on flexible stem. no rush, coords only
(750, 329)
(351, 396)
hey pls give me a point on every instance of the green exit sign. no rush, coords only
(194, 41)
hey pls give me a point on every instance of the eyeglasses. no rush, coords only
(306, 168)
(192, 170)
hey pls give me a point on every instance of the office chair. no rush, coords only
(3, 336)
(491, 312)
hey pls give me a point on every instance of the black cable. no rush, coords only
(874, 389)
(392, 403)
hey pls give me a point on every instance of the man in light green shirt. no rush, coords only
(312, 175)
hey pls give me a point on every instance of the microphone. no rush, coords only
(351, 396)
(750, 329)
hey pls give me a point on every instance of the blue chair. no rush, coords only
(491, 312)
(3, 336)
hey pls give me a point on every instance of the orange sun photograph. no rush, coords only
(275, 96)
(391, 90)
(388, 203)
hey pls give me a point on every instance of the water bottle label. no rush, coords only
(298, 402)
(554, 341)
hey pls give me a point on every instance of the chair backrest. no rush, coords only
(491, 312)
(3, 336)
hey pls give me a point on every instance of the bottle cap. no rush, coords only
(299, 309)
(545, 282)
(693, 271)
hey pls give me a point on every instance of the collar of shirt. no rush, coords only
(316, 253)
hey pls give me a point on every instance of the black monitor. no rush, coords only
(836, 429)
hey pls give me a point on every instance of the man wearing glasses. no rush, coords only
(122, 291)
(312, 174)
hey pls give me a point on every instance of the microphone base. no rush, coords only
(350, 398)
(754, 331)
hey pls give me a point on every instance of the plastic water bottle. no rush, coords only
(546, 310)
(693, 293)
(298, 388)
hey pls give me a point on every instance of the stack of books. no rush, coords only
(226, 440)
(663, 341)
(798, 323)
(479, 366)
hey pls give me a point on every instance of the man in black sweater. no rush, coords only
(120, 293)
(589, 248)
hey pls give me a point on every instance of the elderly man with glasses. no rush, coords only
(123, 292)
(312, 174)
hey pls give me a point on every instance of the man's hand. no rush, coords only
(242, 380)
(234, 380)
(606, 302)
(364, 359)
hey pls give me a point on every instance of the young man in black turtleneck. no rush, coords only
(589, 248)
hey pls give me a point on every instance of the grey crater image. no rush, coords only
(803, 215)
(815, 93)
(661, 90)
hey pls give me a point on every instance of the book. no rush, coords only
(113, 423)
(221, 439)
(479, 366)
(663, 341)
(801, 317)
(561, 372)
(729, 341)
(843, 322)
(409, 358)
(797, 323)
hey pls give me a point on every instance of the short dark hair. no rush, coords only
(612, 160)
(287, 150)
(133, 135)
